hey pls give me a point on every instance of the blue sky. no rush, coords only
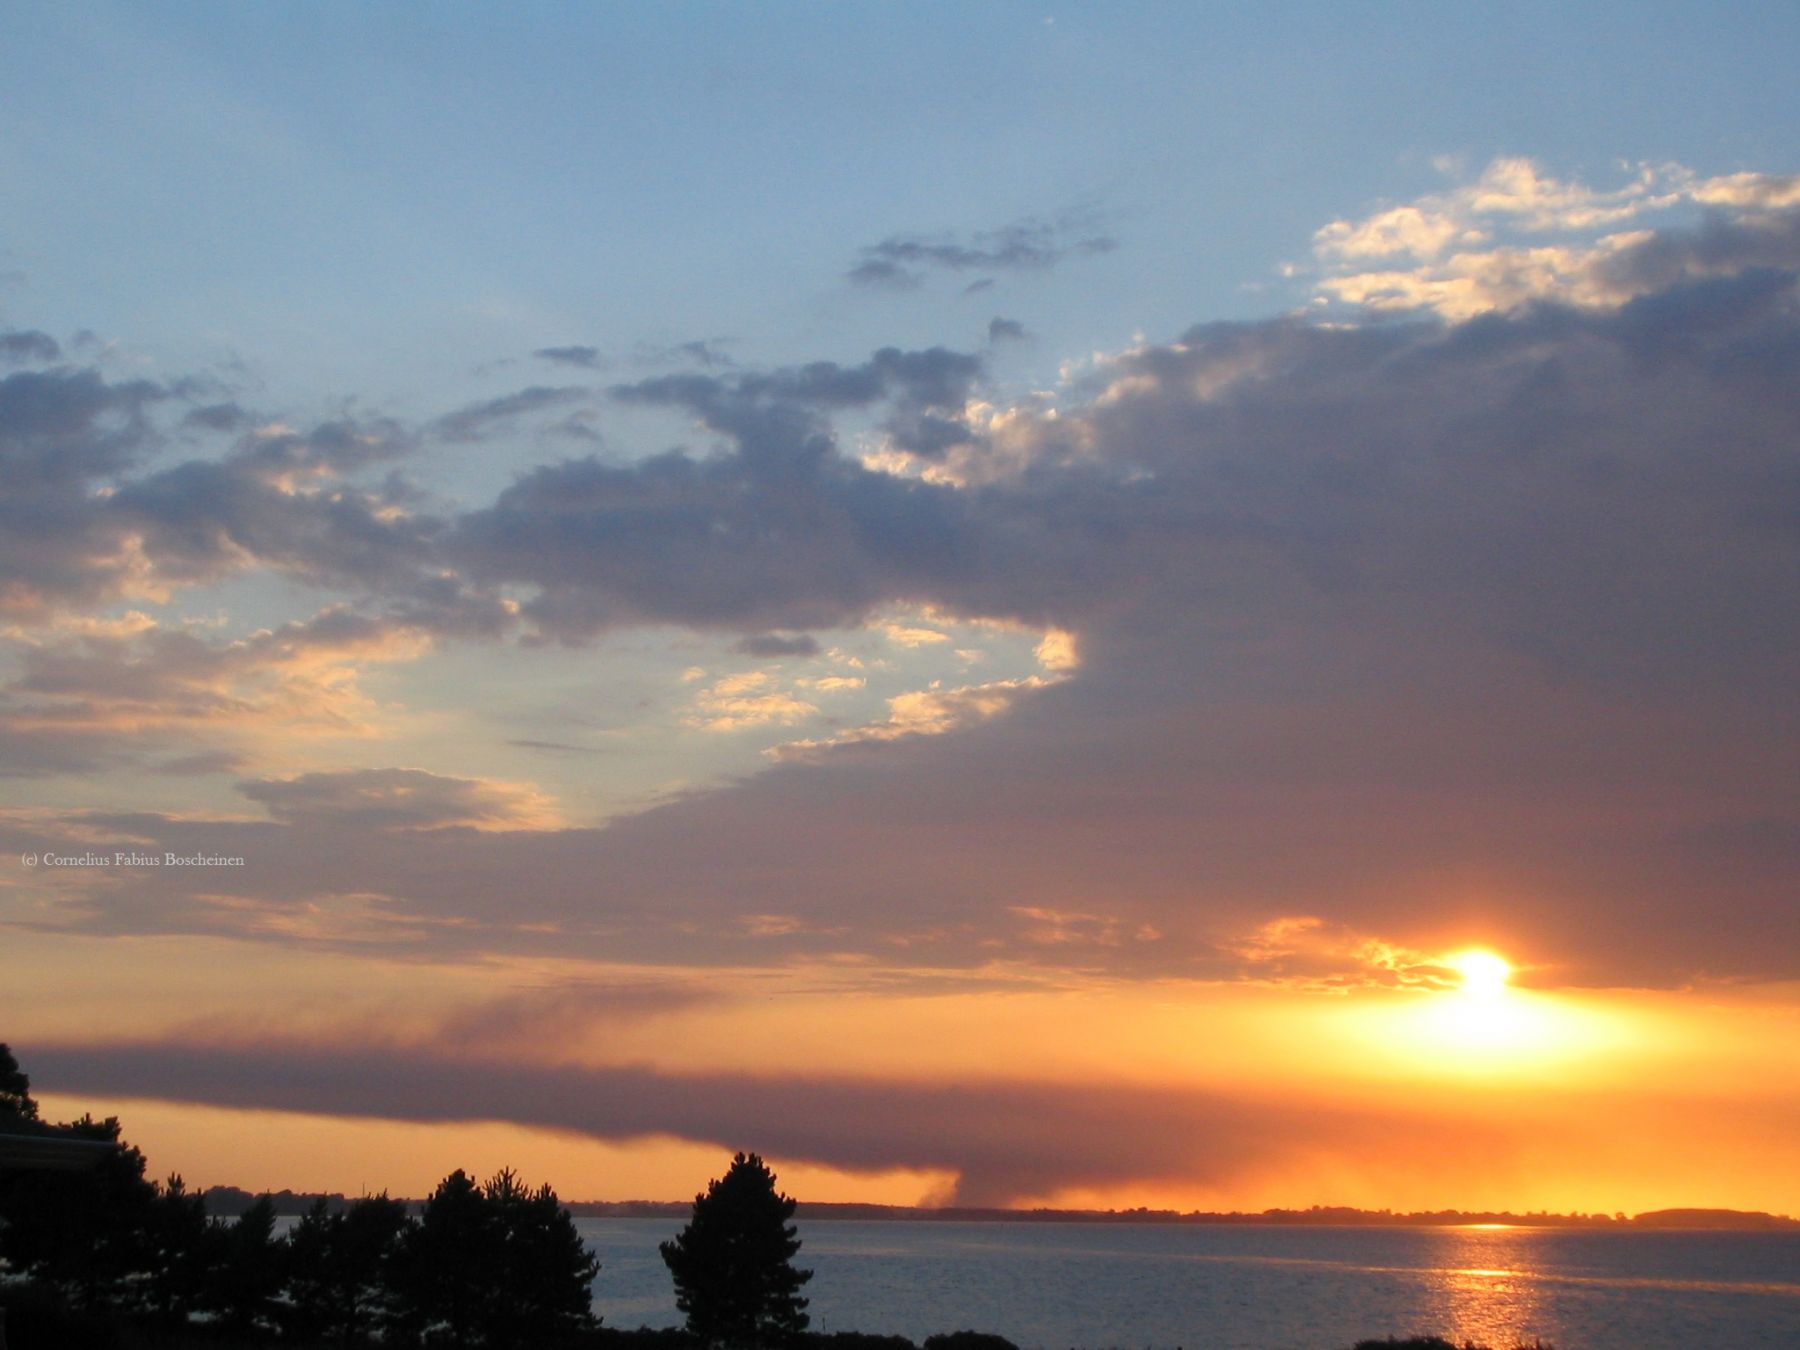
(376, 200)
(661, 534)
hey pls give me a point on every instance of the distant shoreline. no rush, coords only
(231, 1200)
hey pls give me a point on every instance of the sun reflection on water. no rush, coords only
(1487, 1286)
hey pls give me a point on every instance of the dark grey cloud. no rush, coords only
(1002, 330)
(85, 516)
(1722, 246)
(1026, 245)
(724, 543)
(588, 358)
(478, 420)
(777, 644)
(1004, 1141)
(64, 436)
(204, 519)
(23, 346)
(704, 353)
(883, 272)
(395, 799)
(782, 531)
(28, 751)
(555, 747)
(219, 417)
(577, 426)
(206, 762)
(931, 378)
(925, 392)
(708, 353)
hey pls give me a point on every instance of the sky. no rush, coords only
(989, 602)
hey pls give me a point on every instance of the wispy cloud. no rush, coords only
(904, 261)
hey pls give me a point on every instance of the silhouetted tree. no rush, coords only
(341, 1268)
(179, 1253)
(85, 1233)
(733, 1263)
(247, 1271)
(442, 1263)
(542, 1267)
(16, 1105)
(495, 1266)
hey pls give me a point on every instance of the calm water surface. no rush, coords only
(1260, 1288)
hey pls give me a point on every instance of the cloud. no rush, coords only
(777, 644)
(93, 692)
(63, 433)
(219, 417)
(22, 346)
(87, 519)
(882, 272)
(560, 1014)
(1005, 1141)
(1310, 953)
(554, 747)
(781, 532)
(1426, 628)
(1027, 245)
(1516, 236)
(922, 712)
(1457, 620)
(205, 762)
(1005, 330)
(1775, 192)
(752, 699)
(1008, 1141)
(706, 352)
(588, 358)
(479, 420)
(401, 799)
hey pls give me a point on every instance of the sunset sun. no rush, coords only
(1484, 975)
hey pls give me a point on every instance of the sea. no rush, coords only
(1122, 1286)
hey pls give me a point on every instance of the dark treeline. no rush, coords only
(96, 1256)
(232, 1200)
(102, 1255)
(1317, 1215)
(496, 1265)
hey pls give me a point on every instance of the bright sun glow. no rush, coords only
(1482, 1026)
(1484, 975)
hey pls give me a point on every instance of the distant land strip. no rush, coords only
(229, 1201)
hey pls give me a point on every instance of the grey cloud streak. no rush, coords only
(22, 346)
(902, 261)
(480, 420)
(1005, 1141)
